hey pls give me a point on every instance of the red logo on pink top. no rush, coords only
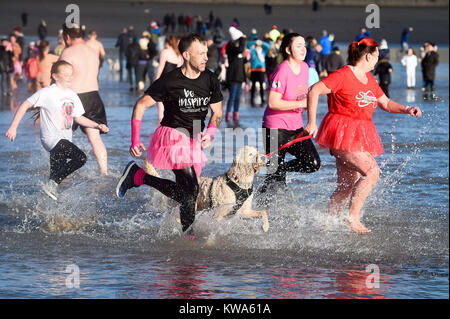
(366, 99)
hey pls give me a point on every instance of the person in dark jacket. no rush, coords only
(335, 61)
(24, 18)
(42, 30)
(132, 54)
(181, 24)
(235, 74)
(144, 57)
(213, 55)
(6, 66)
(429, 64)
(310, 51)
(384, 70)
(122, 43)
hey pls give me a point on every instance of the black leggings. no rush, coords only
(184, 191)
(257, 76)
(65, 158)
(306, 160)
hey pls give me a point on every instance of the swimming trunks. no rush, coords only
(93, 107)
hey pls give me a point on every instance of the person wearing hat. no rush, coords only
(274, 33)
(259, 50)
(253, 36)
(235, 74)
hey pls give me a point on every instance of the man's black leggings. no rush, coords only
(65, 158)
(184, 191)
(306, 159)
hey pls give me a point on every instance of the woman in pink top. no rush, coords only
(282, 119)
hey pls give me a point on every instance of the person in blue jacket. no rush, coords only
(326, 49)
(363, 33)
(404, 40)
(258, 54)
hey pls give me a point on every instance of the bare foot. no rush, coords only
(356, 226)
(265, 225)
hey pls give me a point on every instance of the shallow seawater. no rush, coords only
(131, 248)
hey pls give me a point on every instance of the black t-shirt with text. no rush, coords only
(185, 100)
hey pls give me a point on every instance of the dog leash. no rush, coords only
(299, 138)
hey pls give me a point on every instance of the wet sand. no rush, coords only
(108, 18)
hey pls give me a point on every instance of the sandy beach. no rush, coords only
(108, 17)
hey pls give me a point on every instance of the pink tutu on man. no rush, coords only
(171, 149)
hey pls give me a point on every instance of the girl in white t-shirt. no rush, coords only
(58, 107)
(410, 62)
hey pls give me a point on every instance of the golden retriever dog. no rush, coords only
(231, 192)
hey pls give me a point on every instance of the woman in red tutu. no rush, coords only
(348, 130)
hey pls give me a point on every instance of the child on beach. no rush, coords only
(58, 107)
(409, 61)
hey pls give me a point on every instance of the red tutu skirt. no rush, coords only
(341, 132)
(171, 149)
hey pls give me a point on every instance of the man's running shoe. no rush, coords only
(127, 180)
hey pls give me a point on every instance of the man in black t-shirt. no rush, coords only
(187, 94)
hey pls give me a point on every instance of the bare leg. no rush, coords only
(363, 163)
(99, 149)
(345, 182)
(149, 169)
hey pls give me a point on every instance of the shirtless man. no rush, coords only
(96, 45)
(85, 62)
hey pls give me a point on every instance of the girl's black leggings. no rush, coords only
(65, 158)
(184, 191)
(306, 159)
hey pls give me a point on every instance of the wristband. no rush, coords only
(211, 130)
(135, 132)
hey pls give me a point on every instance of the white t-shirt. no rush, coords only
(58, 108)
(410, 62)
